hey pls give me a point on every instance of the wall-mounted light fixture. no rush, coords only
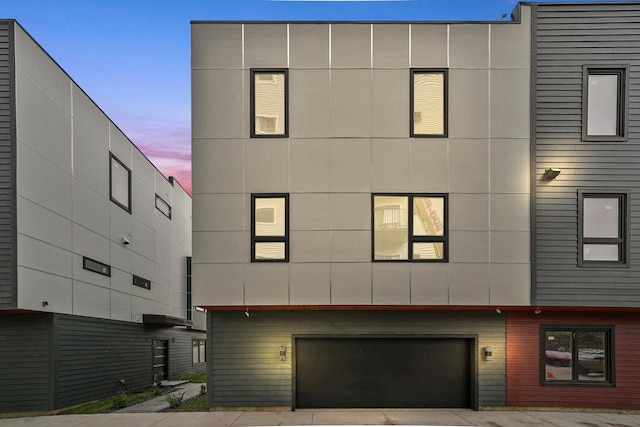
(283, 353)
(125, 241)
(537, 311)
(488, 353)
(246, 312)
(551, 173)
(498, 311)
(45, 303)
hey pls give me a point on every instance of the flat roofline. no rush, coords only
(371, 307)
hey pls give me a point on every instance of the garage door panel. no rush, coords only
(382, 372)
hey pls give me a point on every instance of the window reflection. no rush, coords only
(270, 228)
(269, 103)
(428, 103)
(558, 356)
(576, 355)
(391, 222)
(270, 214)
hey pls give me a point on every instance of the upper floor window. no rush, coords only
(269, 103)
(163, 206)
(603, 229)
(270, 227)
(410, 227)
(119, 183)
(577, 355)
(604, 103)
(428, 103)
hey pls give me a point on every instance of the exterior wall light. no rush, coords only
(551, 173)
(488, 353)
(283, 353)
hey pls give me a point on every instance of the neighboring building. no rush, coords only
(361, 208)
(94, 246)
(585, 117)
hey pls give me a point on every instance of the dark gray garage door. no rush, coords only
(383, 372)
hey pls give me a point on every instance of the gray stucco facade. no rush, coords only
(86, 253)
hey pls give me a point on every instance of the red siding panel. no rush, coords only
(523, 362)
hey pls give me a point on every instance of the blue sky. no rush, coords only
(132, 57)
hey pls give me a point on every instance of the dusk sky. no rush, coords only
(132, 57)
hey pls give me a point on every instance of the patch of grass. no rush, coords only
(198, 404)
(201, 378)
(107, 403)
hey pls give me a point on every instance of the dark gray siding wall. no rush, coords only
(50, 361)
(25, 362)
(565, 37)
(95, 354)
(245, 369)
(8, 261)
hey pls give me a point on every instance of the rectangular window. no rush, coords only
(119, 183)
(269, 103)
(141, 282)
(577, 355)
(603, 229)
(270, 227)
(410, 227)
(604, 103)
(96, 266)
(428, 103)
(163, 206)
(199, 351)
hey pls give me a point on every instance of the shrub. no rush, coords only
(175, 399)
(203, 389)
(188, 376)
(119, 401)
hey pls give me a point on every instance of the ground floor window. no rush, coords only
(577, 355)
(199, 351)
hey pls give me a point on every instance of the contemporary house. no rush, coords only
(361, 209)
(581, 350)
(396, 214)
(95, 245)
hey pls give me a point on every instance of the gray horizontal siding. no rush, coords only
(566, 37)
(25, 362)
(8, 293)
(95, 354)
(244, 365)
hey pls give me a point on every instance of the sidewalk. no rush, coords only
(437, 417)
(159, 404)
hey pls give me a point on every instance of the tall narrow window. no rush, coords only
(163, 206)
(603, 222)
(581, 355)
(428, 103)
(269, 103)
(120, 183)
(604, 108)
(410, 227)
(270, 227)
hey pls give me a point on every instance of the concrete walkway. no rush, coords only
(159, 404)
(334, 417)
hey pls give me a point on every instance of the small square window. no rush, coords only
(119, 183)
(410, 227)
(603, 229)
(604, 103)
(163, 206)
(269, 103)
(577, 355)
(428, 103)
(270, 227)
(141, 282)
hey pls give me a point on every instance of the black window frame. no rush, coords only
(269, 239)
(141, 282)
(445, 106)
(201, 342)
(167, 204)
(411, 239)
(623, 229)
(622, 125)
(112, 157)
(252, 102)
(86, 265)
(610, 378)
